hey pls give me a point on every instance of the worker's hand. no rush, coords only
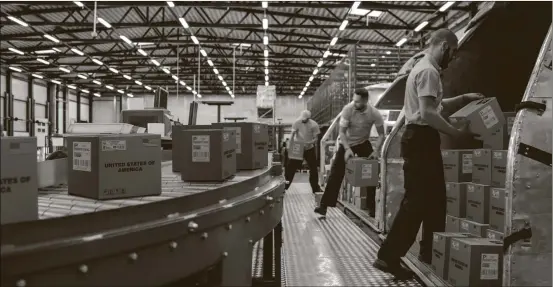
(348, 155)
(472, 97)
(465, 134)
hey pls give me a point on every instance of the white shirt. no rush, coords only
(359, 123)
(423, 81)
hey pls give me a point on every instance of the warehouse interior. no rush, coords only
(159, 126)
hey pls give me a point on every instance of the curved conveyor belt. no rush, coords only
(145, 241)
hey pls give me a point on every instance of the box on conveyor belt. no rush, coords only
(499, 168)
(475, 262)
(457, 165)
(456, 194)
(452, 223)
(483, 116)
(296, 150)
(494, 235)
(114, 166)
(209, 155)
(178, 148)
(474, 228)
(482, 166)
(497, 209)
(252, 144)
(19, 185)
(362, 172)
(440, 251)
(478, 203)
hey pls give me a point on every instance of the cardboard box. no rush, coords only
(482, 166)
(114, 166)
(475, 262)
(494, 235)
(452, 224)
(440, 252)
(497, 209)
(478, 203)
(456, 194)
(474, 228)
(296, 150)
(362, 172)
(19, 185)
(252, 144)
(484, 116)
(457, 165)
(178, 148)
(209, 155)
(508, 127)
(361, 202)
(495, 140)
(499, 168)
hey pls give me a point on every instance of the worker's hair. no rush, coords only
(362, 92)
(442, 35)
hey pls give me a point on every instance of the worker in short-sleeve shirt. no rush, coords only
(356, 121)
(304, 130)
(424, 199)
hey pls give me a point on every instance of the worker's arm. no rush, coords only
(316, 131)
(294, 131)
(452, 105)
(345, 118)
(427, 84)
(379, 125)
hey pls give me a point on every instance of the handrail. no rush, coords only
(323, 148)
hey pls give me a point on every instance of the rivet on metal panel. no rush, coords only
(229, 226)
(192, 226)
(262, 212)
(173, 245)
(528, 186)
(250, 241)
(248, 219)
(537, 175)
(83, 268)
(21, 283)
(133, 256)
(204, 235)
(272, 205)
(269, 198)
(225, 254)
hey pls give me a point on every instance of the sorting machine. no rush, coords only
(192, 234)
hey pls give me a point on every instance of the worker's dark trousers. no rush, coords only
(425, 195)
(337, 172)
(293, 165)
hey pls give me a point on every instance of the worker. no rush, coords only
(284, 153)
(304, 130)
(356, 121)
(425, 194)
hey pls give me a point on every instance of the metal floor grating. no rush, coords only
(329, 251)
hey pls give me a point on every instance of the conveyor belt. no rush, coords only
(327, 252)
(56, 202)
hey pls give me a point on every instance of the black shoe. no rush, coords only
(399, 272)
(321, 210)
(425, 259)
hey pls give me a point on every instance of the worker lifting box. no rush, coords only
(362, 172)
(296, 150)
(114, 166)
(483, 116)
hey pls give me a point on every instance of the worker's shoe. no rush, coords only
(399, 272)
(321, 210)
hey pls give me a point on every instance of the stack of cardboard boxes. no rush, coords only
(470, 252)
(360, 174)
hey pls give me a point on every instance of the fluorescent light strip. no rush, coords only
(37, 76)
(344, 25)
(155, 62)
(80, 4)
(175, 77)
(266, 63)
(45, 52)
(20, 22)
(16, 51)
(266, 78)
(127, 40)
(15, 69)
(334, 40)
(170, 4)
(97, 94)
(311, 78)
(202, 51)
(215, 71)
(57, 50)
(184, 23)
(401, 42)
(130, 95)
(264, 4)
(138, 82)
(55, 82)
(266, 53)
(265, 40)
(82, 76)
(109, 87)
(307, 84)
(220, 78)
(189, 88)
(65, 69)
(182, 83)
(266, 71)
(315, 71)
(97, 62)
(85, 91)
(195, 40)
(76, 51)
(113, 70)
(421, 26)
(142, 52)
(51, 38)
(166, 71)
(265, 24)
(127, 77)
(97, 82)
(72, 87)
(120, 91)
(326, 54)
(210, 63)
(446, 6)
(104, 22)
(148, 88)
(320, 63)
(224, 83)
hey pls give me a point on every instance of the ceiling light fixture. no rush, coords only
(195, 40)
(344, 25)
(265, 40)
(97, 62)
(166, 71)
(16, 51)
(77, 51)
(148, 88)
(265, 24)
(20, 22)
(72, 87)
(55, 82)
(51, 38)
(421, 26)
(264, 4)
(446, 6)
(80, 4)
(104, 22)
(401, 42)
(15, 69)
(138, 82)
(127, 40)
(82, 76)
(65, 69)
(142, 52)
(127, 77)
(113, 70)
(97, 95)
(97, 82)
(210, 63)
(334, 40)
(37, 76)
(109, 87)
(184, 23)
(170, 4)
(155, 62)
(175, 77)
(85, 91)
(202, 51)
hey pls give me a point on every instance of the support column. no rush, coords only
(30, 127)
(57, 110)
(64, 107)
(90, 101)
(78, 106)
(52, 92)
(8, 105)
